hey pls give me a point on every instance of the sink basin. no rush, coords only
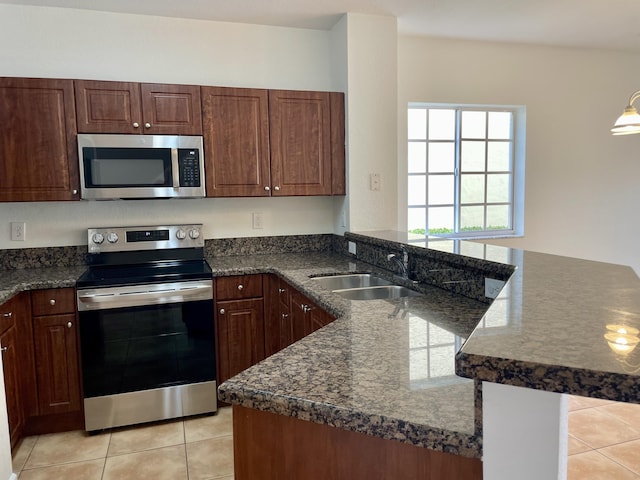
(377, 292)
(355, 280)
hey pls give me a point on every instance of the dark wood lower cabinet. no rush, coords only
(57, 364)
(273, 447)
(10, 364)
(240, 336)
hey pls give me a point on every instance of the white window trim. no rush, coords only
(519, 155)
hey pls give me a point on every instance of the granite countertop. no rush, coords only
(546, 330)
(13, 282)
(384, 367)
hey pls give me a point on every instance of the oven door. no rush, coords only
(148, 352)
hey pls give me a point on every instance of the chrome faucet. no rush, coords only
(402, 262)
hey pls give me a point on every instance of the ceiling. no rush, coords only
(574, 23)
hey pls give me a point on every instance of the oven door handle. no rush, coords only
(103, 301)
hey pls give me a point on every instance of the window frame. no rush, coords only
(517, 163)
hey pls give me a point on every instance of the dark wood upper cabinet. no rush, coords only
(300, 135)
(127, 107)
(338, 166)
(273, 142)
(38, 152)
(171, 109)
(236, 141)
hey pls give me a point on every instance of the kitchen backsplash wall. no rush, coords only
(15, 259)
(456, 273)
(225, 247)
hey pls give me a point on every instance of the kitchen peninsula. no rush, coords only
(363, 376)
(545, 331)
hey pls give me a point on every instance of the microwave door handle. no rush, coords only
(175, 171)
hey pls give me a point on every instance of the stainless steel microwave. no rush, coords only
(140, 166)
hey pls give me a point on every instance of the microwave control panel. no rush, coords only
(189, 166)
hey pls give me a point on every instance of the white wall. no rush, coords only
(582, 184)
(67, 43)
(372, 121)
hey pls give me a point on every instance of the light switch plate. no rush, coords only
(18, 231)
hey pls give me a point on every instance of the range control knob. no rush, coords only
(97, 238)
(112, 237)
(194, 233)
(181, 234)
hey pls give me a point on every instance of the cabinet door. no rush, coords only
(57, 371)
(300, 135)
(240, 336)
(338, 167)
(318, 318)
(171, 109)
(300, 316)
(38, 151)
(10, 366)
(236, 140)
(108, 107)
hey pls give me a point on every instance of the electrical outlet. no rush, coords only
(492, 287)
(18, 231)
(374, 182)
(258, 221)
(352, 248)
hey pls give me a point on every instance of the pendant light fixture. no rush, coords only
(629, 121)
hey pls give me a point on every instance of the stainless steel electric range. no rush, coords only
(145, 309)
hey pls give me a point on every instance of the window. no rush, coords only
(465, 170)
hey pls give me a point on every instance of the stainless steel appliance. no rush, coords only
(140, 166)
(145, 308)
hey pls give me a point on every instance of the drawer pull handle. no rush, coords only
(7, 315)
(69, 324)
(52, 301)
(240, 287)
(222, 311)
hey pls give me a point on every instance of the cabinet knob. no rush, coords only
(221, 311)
(69, 324)
(74, 191)
(240, 287)
(276, 188)
(4, 349)
(267, 188)
(306, 308)
(285, 315)
(52, 301)
(147, 125)
(136, 124)
(7, 315)
(282, 290)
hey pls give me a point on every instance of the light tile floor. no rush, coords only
(604, 440)
(604, 443)
(197, 448)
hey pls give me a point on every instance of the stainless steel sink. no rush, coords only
(377, 293)
(354, 280)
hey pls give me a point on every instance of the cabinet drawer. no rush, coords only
(238, 286)
(53, 301)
